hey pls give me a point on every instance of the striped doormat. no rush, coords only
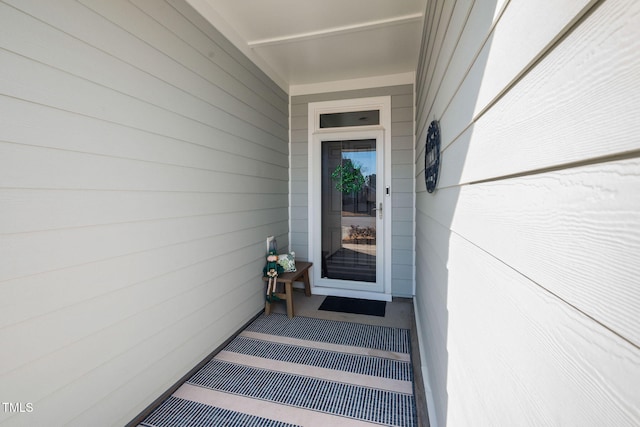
(299, 372)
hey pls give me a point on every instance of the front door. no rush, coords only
(350, 213)
(348, 191)
(349, 199)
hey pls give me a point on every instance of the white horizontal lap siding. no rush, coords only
(526, 357)
(531, 240)
(402, 226)
(299, 238)
(431, 309)
(143, 160)
(466, 28)
(574, 232)
(581, 103)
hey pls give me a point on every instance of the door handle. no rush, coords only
(379, 210)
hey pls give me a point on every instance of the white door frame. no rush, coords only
(382, 133)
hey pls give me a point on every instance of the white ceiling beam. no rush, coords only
(398, 20)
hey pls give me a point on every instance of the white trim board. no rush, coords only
(353, 84)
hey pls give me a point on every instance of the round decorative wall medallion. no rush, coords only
(432, 156)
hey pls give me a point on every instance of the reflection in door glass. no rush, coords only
(349, 210)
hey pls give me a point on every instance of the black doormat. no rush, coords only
(354, 305)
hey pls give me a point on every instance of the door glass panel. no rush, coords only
(349, 210)
(353, 118)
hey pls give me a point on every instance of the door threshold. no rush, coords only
(348, 293)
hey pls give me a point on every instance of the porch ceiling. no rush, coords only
(301, 42)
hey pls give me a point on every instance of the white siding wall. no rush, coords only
(401, 179)
(528, 254)
(143, 161)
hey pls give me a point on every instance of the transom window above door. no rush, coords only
(351, 118)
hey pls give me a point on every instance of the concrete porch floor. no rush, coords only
(399, 314)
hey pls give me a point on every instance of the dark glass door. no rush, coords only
(349, 209)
